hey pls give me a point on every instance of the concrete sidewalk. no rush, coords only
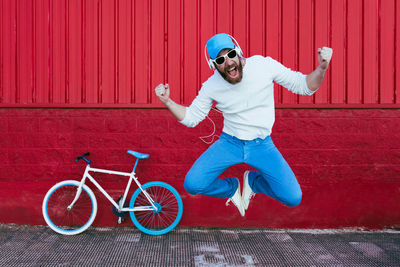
(40, 246)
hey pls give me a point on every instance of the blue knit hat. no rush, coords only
(217, 43)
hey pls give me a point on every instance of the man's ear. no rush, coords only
(243, 60)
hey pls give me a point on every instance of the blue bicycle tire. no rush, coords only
(167, 198)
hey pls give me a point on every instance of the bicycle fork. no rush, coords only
(78, 193)
(79, 190)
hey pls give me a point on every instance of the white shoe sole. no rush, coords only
(246, 186)
(240, 204)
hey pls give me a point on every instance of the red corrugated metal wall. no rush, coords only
(113, 53)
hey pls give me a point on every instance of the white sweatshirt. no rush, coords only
(248, 106)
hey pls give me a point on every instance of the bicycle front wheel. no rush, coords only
(69, 221)
(169, 208)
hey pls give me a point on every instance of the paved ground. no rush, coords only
(39, 246)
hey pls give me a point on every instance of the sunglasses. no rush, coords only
(221, 60)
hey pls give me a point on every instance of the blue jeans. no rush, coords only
(274, 177)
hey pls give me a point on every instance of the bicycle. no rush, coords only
(70, 206)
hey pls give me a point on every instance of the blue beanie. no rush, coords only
(217, 43)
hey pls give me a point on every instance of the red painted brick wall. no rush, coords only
(346, 160)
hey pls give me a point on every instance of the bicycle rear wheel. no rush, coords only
(75, 220)
(169, 205)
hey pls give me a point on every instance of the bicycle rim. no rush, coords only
(62, 220)
(170, 206)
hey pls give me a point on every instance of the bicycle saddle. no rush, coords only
(138, 155)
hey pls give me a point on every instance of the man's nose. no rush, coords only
(230, 61)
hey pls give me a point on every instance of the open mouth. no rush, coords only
(233, 72)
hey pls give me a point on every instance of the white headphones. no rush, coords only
(210, 61)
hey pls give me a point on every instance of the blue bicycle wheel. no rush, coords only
(169, 208)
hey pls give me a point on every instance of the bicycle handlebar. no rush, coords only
(83, 157)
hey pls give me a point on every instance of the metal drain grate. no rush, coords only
(39, 246)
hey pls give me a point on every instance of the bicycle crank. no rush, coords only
(120, 213)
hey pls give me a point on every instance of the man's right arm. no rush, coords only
(188, 116)
(179, 111)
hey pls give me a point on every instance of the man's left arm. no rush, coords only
(315, 78)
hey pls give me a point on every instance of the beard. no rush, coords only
(237, 68)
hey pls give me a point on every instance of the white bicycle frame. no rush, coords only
(120, 205)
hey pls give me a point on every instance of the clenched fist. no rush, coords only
(324, 57)
(162, 91)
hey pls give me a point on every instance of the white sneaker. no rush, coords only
(247, 193)
(237, 200)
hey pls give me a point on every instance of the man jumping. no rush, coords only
(243, 89)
